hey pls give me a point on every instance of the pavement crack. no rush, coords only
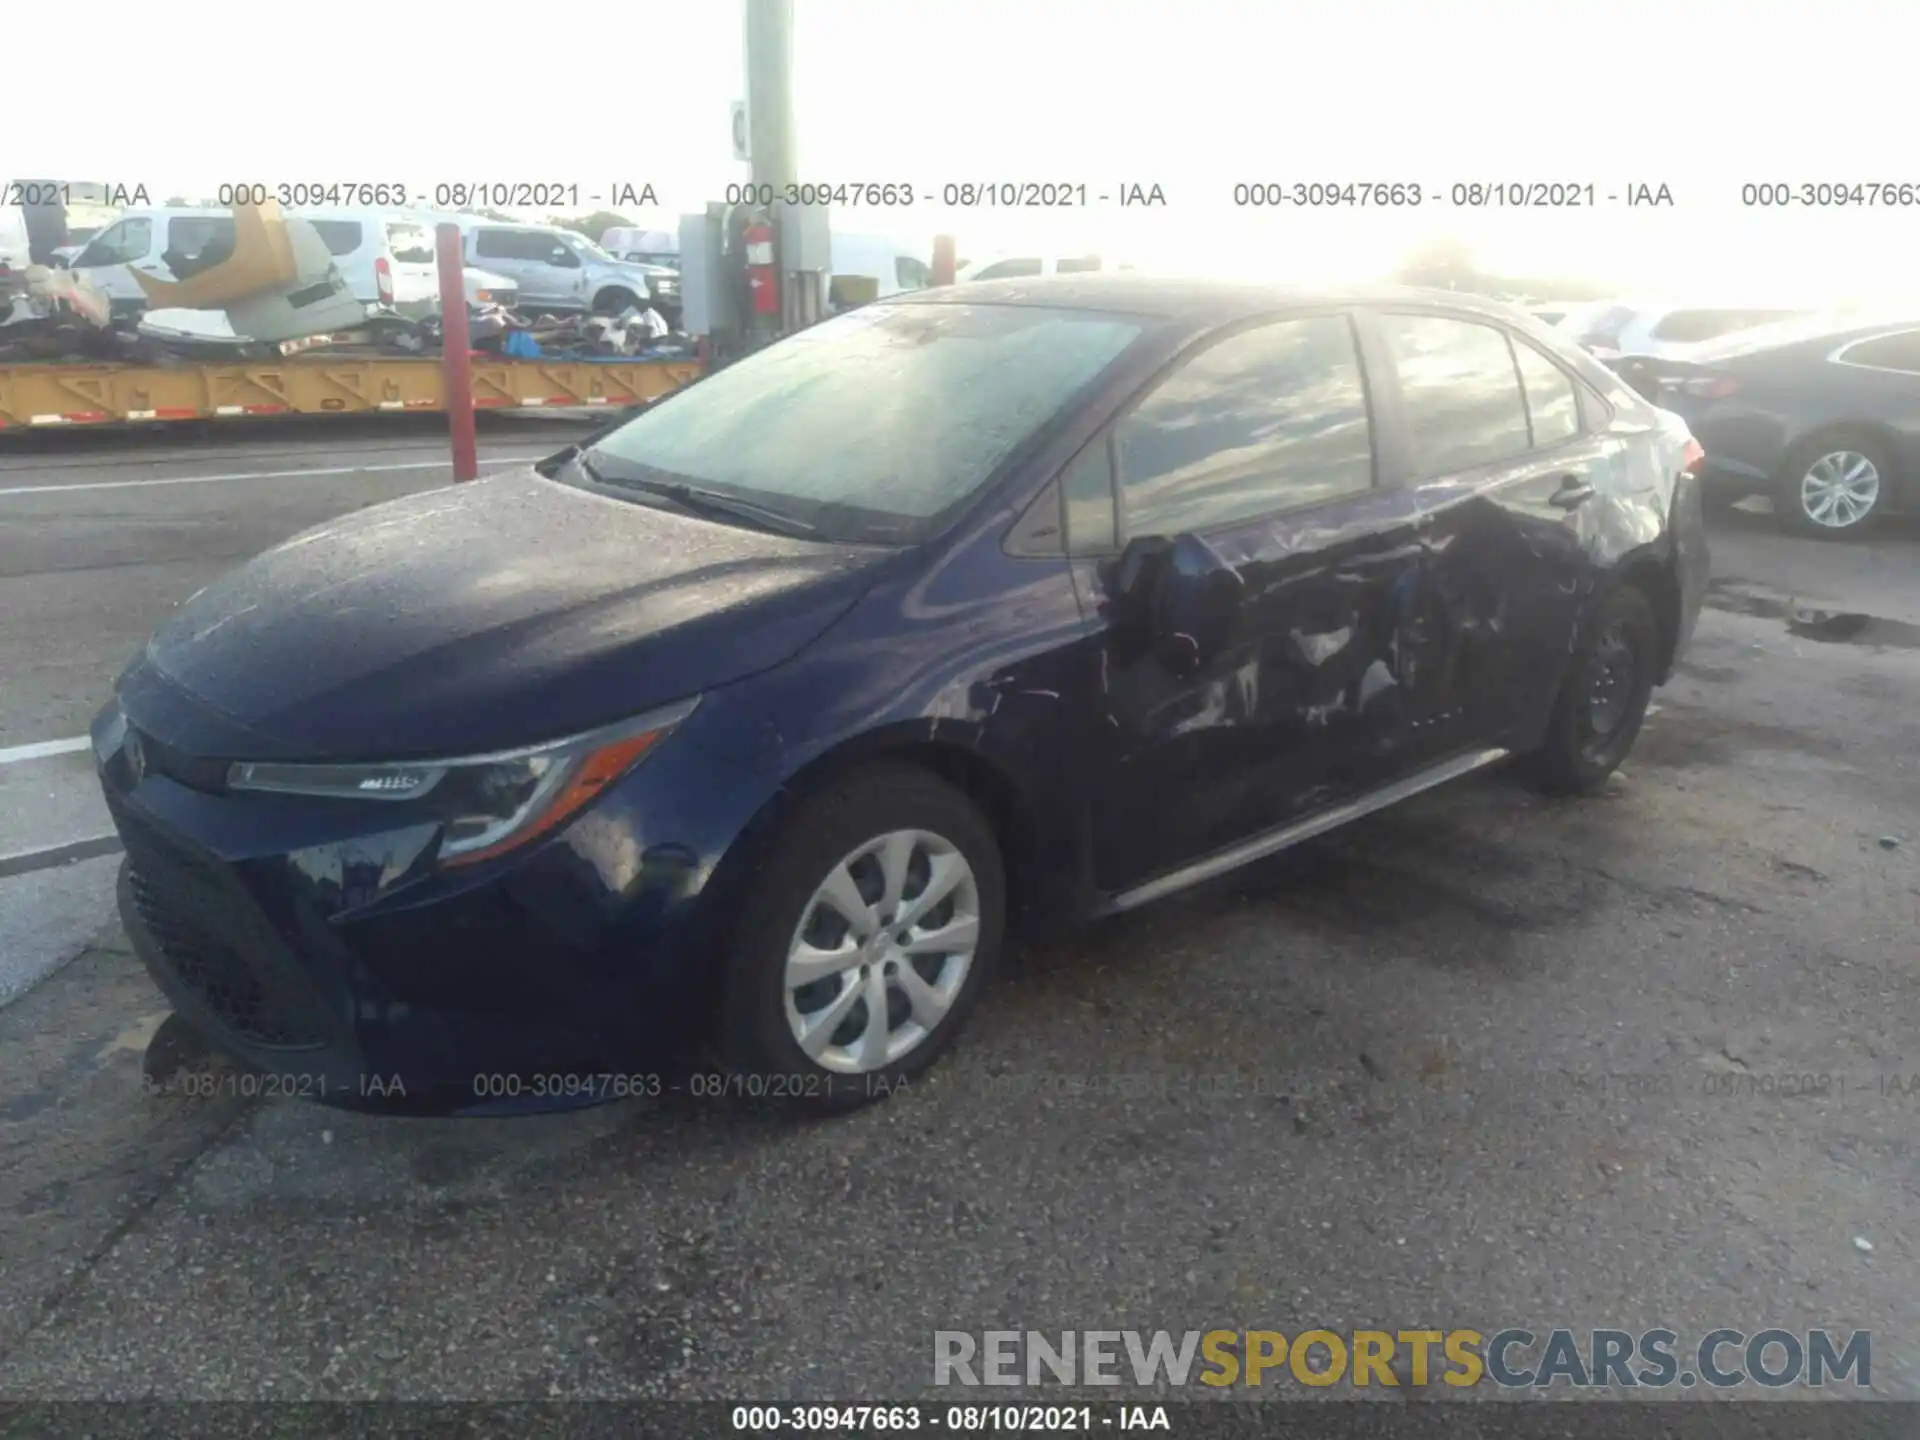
(50, 1303)
(1673, 893)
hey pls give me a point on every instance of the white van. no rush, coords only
(1019, 267)
(384, 258)
(392, 259)
(893, 265)
(84, 220)
(15, 248)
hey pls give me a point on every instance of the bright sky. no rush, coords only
(1194, 96)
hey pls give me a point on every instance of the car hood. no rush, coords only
(479, 617)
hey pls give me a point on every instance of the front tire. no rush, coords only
(866, 937)
(1836, 488)
(1603, 700)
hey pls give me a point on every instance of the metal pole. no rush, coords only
(456, 360)
(769, 34)
(770, 92)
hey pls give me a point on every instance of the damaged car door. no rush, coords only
(1495, 447)
(1254, 597)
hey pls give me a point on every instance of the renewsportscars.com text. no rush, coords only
(1512, 1359)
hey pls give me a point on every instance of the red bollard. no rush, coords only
(943, 259)
(456, 360)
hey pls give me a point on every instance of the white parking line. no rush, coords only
(41, 749)
(262, 475)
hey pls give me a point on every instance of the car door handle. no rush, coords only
(1574, 492)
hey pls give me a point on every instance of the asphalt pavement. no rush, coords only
(1483, 1060)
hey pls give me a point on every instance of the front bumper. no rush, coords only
(311, 940)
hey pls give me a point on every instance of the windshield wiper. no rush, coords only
(701, 500)
(587, 467)
(714, 503)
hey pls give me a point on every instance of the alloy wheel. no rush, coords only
(1613, 673)
(881, 951)
(1840, 489)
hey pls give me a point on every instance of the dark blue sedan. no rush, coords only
(761, 722)
(1822, 414)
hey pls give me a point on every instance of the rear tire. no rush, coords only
(1603, 700)
(1836, 487)
(825, 1011)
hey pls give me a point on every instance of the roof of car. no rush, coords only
(1205, 301)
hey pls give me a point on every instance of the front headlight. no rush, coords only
(488, 804)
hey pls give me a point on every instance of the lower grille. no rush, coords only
(217, 944)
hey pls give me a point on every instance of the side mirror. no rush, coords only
(1175, 597)
(1139, 578)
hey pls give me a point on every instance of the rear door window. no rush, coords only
(1460, 390)
(1553, 405)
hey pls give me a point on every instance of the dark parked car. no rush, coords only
(1822, 415)
(1612, 330)
(763, 718)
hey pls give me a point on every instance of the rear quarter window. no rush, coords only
(411, 245)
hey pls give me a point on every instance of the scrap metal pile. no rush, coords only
(634, 335)
(275, 291)
(48, 314)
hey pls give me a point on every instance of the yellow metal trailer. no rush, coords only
(42, 395)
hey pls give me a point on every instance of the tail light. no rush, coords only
(383, 278)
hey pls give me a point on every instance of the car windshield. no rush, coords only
(874, 426)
